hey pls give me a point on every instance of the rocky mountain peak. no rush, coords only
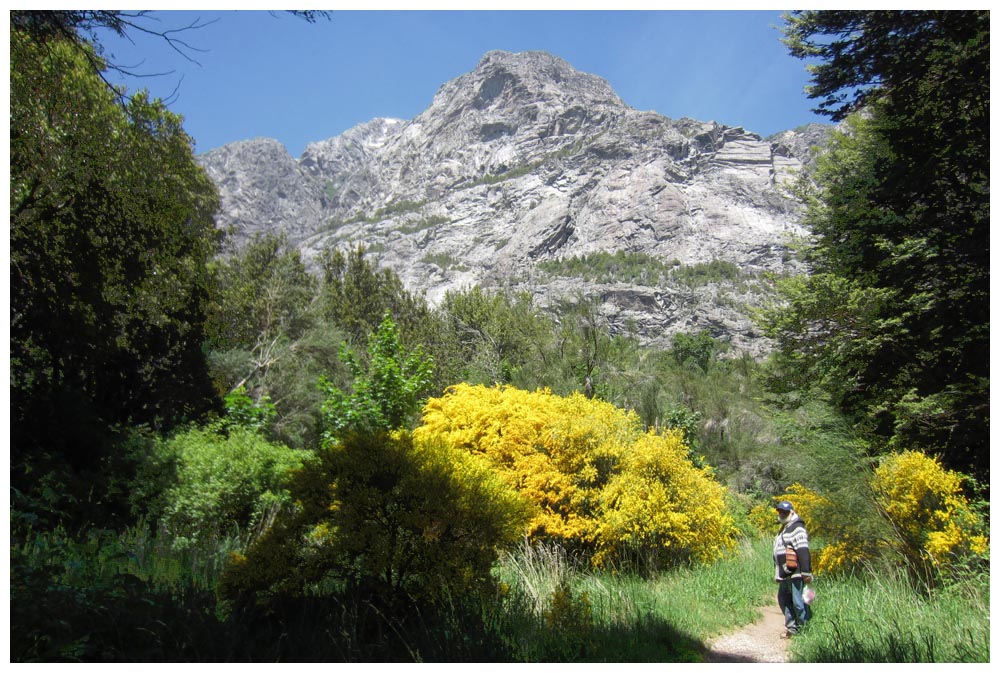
(534, 77)
(352, 145)
(522, 165)
(510, 109)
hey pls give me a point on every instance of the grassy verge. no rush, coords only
(707, 600)
(879, 618)
(555, 610)
(128, 597)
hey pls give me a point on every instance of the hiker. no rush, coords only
(793, 568)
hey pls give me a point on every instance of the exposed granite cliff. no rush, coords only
(526, 160)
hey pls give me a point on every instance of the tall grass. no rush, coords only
(101, 555)
(106, 596)
(134, 596)
(131, 597)
(710, 599)
(557, 609)
(881, 618)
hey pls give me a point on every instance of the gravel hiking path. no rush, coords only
(760, 642)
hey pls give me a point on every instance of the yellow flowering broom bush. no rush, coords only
(599, 482)
(925, 504)
(922, 503)
(660, 501)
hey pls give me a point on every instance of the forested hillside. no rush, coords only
(233, 458)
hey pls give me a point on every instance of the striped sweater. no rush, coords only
(793, 534)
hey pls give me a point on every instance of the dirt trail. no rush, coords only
(760, 642)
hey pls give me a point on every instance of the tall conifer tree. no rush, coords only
(895, 319)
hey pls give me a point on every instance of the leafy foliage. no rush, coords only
(862, 56)
(243, 412)
(897, 316)
(262, 298)
(111, 230)
(495, 335)
(716, 271)
(356, 295)
(384, 395)
(697, 350)
(201, 484)
(588, 353)
(599, 482)
(266, 336)
(380, 511)
(659, 503)
(641, 268)
(386, 514)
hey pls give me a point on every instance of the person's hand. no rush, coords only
(807, 578)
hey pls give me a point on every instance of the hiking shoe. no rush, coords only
(788, 634)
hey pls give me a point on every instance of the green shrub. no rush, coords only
(443, 260)
(386, 514)
(606, 267)
(694, 275)
(242, 411)
(216, 483)
(387, 388)
(698, 350)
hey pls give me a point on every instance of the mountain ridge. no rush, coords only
(525, 161)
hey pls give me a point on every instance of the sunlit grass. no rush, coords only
(627, 616)
(879, 617)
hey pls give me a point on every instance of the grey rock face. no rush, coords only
(263, 189)
(526, 160)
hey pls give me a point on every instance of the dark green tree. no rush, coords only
(895, 319)
(356, 295)
(262, 304)
(267, 335)
(497, 336)
(111, 229)
(598, 358)
(585, 342)
(698, 349)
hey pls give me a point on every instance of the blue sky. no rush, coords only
(269, 74)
